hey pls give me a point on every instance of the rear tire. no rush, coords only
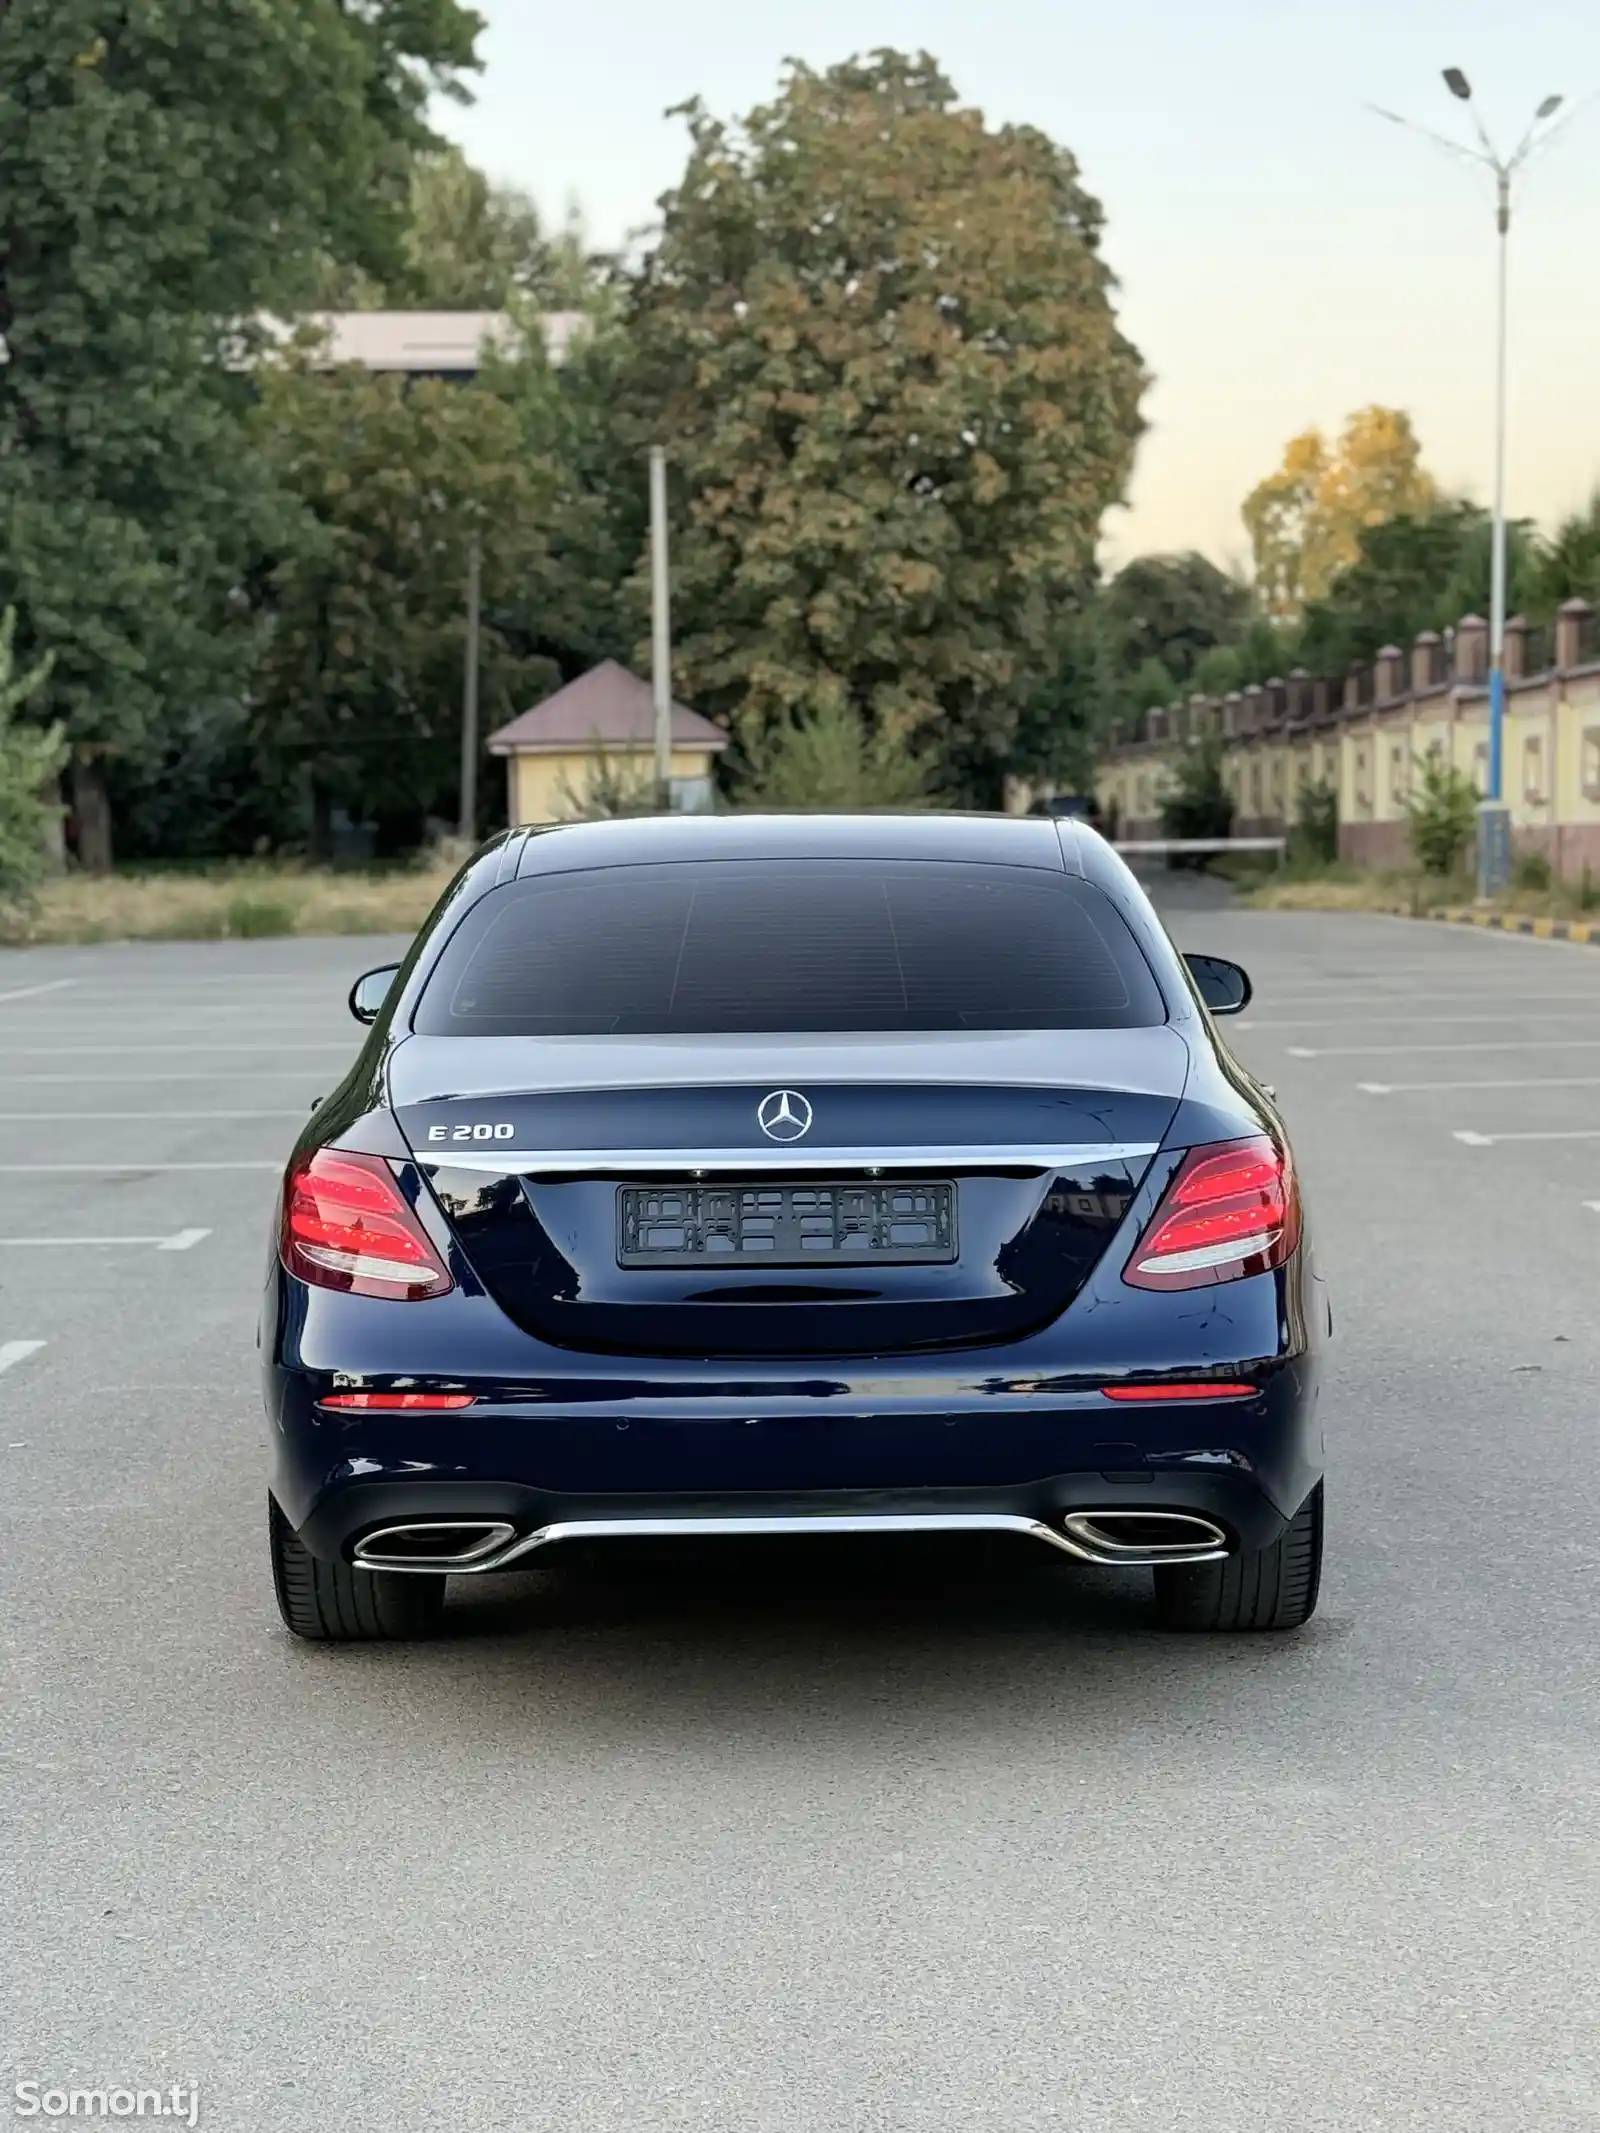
(1263, 1588)
(335, 1603)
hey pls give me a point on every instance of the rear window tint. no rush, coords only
(759, 944)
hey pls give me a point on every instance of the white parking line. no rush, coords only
(140, 1081)
(32, 992)
(1268, 996)
(115, 1048)
(45, 1118)
(1593, 1206)
(1555, 1081)
(17, 1352)
(1554, 1014)
(1497, 1044)
(1493, 1140)
(16, 1170)
(183, 1240)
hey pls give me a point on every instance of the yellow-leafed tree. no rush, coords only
(1305, 521)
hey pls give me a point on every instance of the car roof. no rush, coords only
(993, 840)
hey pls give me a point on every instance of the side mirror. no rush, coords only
(370, 990)
(1224, 987)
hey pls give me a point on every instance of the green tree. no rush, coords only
(878, 338)
(470, 245)
(585, 604)
(1412, 574)
(31, 760)
(1063, 721)
(167, 172)
(359, 702)
(1174, 609)
(1568, 566)
(1197, 802)
(1305, 521)
(1152, 687)
(830, 759)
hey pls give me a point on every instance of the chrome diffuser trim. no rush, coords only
(784, 1155)
(1078, 1536)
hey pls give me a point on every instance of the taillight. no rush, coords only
(396, 1403)
(1153, 1395)
(1232, 1209)
(347, 1225)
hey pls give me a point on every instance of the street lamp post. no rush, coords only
(1494, 815)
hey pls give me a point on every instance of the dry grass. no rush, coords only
(1340, 888)
(243, 902)
(258, 899)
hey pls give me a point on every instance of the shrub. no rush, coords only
(31, 759)
(1443, 808)
(1533, 872)
(613, 785)
(1198, 803)
(1314, 840)
(831, 760)
(257, 918)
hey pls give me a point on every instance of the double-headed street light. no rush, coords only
(1494, 817)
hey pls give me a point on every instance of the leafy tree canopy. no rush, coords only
(1411, 574)
(1569, 566)
(168, 170)
(1173, 609)
(877, 337)
(360, 690)
(586, 604)
(470, 245)
(1305, 521)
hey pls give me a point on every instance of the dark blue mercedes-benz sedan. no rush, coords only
(803, 1175)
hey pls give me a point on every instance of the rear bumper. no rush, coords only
(1247, 1516)
(333, 1513)
(555, 1438)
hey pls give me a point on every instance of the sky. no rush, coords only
(1284, 256)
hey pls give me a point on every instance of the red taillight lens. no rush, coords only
(1232, 1209)
(347, 1225)
(396, 1403)
(1152, 1395)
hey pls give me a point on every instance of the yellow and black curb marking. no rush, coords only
(1586, 932)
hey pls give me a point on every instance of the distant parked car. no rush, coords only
(1083, 807)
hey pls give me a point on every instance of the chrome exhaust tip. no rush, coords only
(433, 1545)
(1129, 1539)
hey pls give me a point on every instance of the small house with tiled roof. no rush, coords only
(597, 735)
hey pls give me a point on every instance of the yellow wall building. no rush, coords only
(597, 735)
(1366, 734)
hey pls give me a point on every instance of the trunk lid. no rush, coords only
(786, 1196)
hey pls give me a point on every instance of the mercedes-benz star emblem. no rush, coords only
(785, 1115)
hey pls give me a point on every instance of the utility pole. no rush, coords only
(660, 626)
(1494, 815)
(469, 694)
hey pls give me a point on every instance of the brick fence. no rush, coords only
(1365, 732)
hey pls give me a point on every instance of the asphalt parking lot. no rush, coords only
(925, 1843)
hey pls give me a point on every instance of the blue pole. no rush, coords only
(1494, 818)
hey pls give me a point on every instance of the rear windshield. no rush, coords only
(789, 945)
